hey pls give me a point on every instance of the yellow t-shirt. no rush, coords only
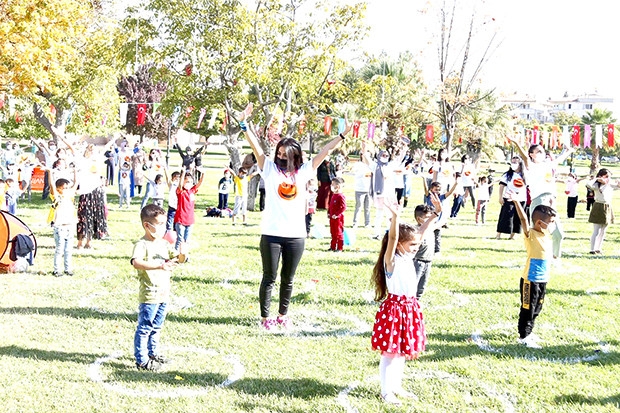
(539, 247)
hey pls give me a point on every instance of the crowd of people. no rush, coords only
(292, 189)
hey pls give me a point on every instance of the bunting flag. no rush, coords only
(575, 135)
(565, 136)
(188, 112)
(371, 130)
(610, 135)
(327, 125)
(356, 128)
(429, 133)
(535, 137)
(213, 118)
(2, 99)
(203, 111)
(341, 125)
(598, 136)
(155, 107)
(18, 117)
(554, 137)
(587, 136)
(544, 138)
(104, 119)
(53, 113)
(301, 128)
(141, 116)
(123, 113)
(401, 130)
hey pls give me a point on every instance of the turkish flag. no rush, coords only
(429, 133)
(327, 125)
(356, 128)
(575, 135)
(141, 114)
(610, 135)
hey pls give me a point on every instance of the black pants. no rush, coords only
(532, 298)
(271, 249)
(261, 199)
(571, 205)
(469, 189)
(589, 203)
(46, 185)
(437, 240)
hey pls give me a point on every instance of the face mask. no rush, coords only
(187, 186)
(156, 231)
(334, 189)
(551, 228)
(281, 163)
(53, 148)
(514, 166)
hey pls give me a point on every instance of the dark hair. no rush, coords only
(175, 174)
(292, 149)
(465, 157)
(9, 180)
(61, 181)
(533, 148)
(509, 173)
(601, 172)
(442, 150)
(150, 212)
(422, 210)
(541, 212)
(158, 177)
(435, 185)
(406, 232)
(337, 180)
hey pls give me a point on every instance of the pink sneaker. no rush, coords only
(268, 324)
(283, 322)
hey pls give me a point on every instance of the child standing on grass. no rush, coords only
(483, 199)
(154, 259)
(223, 187)
(173, 184)
(12, 194)
(601, 214)
(186, 200)
(241, 194)
(398, 331)
(539, 248)
(124, 185)
(335, 212)
(64, 221)
(424, 256)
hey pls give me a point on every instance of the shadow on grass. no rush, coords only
(47, 355)
(81, 313)
(302, 388)
(580, 399)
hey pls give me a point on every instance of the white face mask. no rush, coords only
(156, 231)
(187, 186)
(514, 166)
(551, 228)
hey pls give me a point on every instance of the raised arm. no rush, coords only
(392, 238)
(526, 159)
(202, 177)
(331, 145)
(522, 218)
(259, 154)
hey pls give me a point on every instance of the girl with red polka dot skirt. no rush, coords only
(398, 331)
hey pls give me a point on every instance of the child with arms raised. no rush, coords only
(398, 331)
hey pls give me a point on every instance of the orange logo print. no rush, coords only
(287, 191)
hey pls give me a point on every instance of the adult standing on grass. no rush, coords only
(601, 214)
(511, 185)
(283, 230)
(540, 176)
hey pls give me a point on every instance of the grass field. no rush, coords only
(66, 343)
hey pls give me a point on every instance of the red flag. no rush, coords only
(429, 133)
(2, 100)
(18, 118)
(356, 128)
(575, 135)
(535, 136)
(53, 112)
(610, 135)
(327, 125)
(141, 114)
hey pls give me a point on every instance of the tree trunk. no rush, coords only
(595, 163)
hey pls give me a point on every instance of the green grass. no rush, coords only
(54, 329)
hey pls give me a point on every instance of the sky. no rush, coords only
(547, 47)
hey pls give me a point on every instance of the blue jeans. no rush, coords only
(147, 195)
(182, 233)
(63, 238)
(170, 218)
(150, 321)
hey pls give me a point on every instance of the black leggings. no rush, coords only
(271, 248)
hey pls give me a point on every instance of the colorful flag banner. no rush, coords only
(141, 116)
(587, 136)
(565, 136)
(575, 135)
(302, 126)
(554, 136)
(610, 135)
(213, 118)
(123, 113)
(535, 136)
(429, 133)
(203, 111)
(598, 136)
(327, 125)
(371, 130)
(341, 125)
(356, 128)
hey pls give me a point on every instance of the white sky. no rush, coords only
(548, 46)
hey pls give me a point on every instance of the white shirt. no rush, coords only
(602, 194)
(172, 195)
(540, 178)
(571, 187)
(403, 279)
(285, 200)
(518, 193)
(362, 177)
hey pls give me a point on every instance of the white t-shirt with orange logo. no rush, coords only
(540, 178)
(285, 200)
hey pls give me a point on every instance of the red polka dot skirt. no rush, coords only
(399, 327)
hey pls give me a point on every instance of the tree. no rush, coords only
(597, 117)
(141, 88)
(459, 69)
(53, 53)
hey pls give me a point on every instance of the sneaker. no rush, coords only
(268, 324)
(160, 359)
(390, 398)
(56, 274)
(150, 365)
(530, 341)
(283, 322)
(69, 273)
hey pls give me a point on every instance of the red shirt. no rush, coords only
(337, 205)
(186, 199)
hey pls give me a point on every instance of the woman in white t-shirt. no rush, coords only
(540, 176)
(511, 187)
(283, 226)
